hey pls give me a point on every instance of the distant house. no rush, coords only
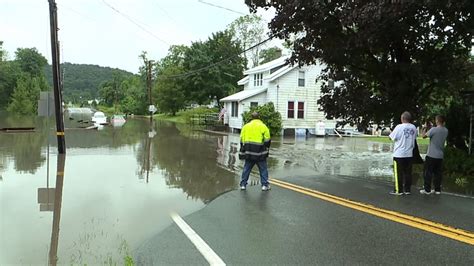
(293, 90)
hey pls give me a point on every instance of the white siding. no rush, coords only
(282, 90)
(289, 91)
(236, 122)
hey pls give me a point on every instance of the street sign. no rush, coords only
(46, 104)
(46, 199)
(152, 109)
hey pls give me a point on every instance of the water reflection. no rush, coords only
(122, 183)
(188, 159)
(58, 197)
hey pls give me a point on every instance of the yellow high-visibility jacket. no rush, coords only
(254, 141)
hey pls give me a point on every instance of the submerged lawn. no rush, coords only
(386, 139)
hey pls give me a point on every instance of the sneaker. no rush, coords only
(265, 188)
(243, 187)
(407, 193)
(438, 192)
(396, 193)
(425, 192)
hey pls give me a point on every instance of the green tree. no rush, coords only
(169, 92)
(111, 91)
(268, 115)
(30, 61)
(214, 81)
(23, 101)
(385, 56)
(8, 76)
(3, 53)
(135, 98)
(249, 30)
(83, 81)
(269, 54)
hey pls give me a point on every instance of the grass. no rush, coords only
(177, 118)
(184, 116)
(386, 139)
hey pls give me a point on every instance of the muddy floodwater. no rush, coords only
(119, 185)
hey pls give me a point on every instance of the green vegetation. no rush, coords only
(249, 30)
(81, 81)
(184, 116)
(270, 54)
(21, 81)
(268, 115)
(386, 139)
(385, 57)
(459, 167)
(175, 89)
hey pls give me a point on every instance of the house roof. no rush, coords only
(280, 72)
(242, 95)
(243, 81)
(267, 66)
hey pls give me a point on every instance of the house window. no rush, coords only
(235, 109)
(300, 110)
(291, 110)
(253, 104)
(301, 79)
(258, 79)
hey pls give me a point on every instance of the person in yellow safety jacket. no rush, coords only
(254, 148)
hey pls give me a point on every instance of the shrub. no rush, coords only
(188, 114)
(458, 166)
(268, 115)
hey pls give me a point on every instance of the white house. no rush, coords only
(292, 89)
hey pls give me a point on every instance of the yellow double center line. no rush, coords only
(429, 226)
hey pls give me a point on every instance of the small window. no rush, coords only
(258, 79)
(291, 110)
(253, 104)
(301, 78)
(235, 109)
(300, 110)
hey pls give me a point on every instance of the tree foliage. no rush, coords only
(269, 54)
(21, 81)
(249, 30)
(82, 81)
(215, 81)
(385, 56)
(30, 61)
(24, 100)
(268, 115)
(170, 93)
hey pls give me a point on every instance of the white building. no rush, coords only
(292, 89)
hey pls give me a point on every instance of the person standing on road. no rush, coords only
(254, 148)
(434, 157)
(403, 136)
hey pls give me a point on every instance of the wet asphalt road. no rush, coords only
(283, 227)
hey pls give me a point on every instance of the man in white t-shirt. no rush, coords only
(403, 137)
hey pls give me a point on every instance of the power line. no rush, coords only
(166, 13)
(134, 21)
(192, 72)
(221, 7)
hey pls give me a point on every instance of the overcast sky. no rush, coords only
(93, 33)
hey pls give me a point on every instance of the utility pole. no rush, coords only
(53, 19)
(148, 84)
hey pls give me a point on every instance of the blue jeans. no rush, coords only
(262, 167)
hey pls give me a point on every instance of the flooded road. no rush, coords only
(121, 184)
